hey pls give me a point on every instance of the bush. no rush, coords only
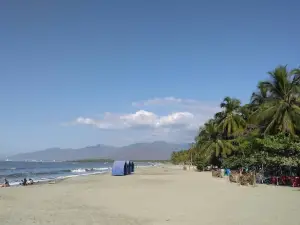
(201, 163)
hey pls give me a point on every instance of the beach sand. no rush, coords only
(158, 196)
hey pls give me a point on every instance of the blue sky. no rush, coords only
(77, 73)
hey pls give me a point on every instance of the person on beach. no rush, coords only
(24, 182)
(6, 183)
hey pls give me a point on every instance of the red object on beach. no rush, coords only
(284, 180)
(296, 181)
(274, 180)
(290, 179)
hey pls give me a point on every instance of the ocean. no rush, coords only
(14, 172)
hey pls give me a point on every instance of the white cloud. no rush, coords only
(180, 118)
(180, 121)
(140, 118)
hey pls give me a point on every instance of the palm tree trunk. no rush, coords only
(191, 160)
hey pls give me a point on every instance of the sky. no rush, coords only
(78, 73)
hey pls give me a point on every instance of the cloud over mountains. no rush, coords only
(181, 116)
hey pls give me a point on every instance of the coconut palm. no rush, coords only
(210, 141)
(260, 96)
(280, 111)
(246, 111)
(231, 120)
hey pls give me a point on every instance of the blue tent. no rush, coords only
(120, 168)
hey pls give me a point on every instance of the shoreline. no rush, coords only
(47, 180)
(100, 171)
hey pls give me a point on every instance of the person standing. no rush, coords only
(6, 183)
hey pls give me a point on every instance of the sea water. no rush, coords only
(14, 172)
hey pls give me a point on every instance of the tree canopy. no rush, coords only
(266, 131)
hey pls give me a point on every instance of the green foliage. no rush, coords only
(281, 149)
(180, 157)
(211, 141)
(280, 111)
(231, 120)
(263, 132)
(201, 162)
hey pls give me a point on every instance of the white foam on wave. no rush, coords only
(41, 180)
(78, 170)
(68, 176)
(14, 183)
(82, 170)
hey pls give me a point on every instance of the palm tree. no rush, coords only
(192, 152)
(260, 96)
(280, 111)
(210, 141)
(246, 111)
(231, 120)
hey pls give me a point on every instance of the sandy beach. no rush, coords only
(158, 196)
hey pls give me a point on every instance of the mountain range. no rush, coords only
(158, 150)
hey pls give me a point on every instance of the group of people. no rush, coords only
(24, 182)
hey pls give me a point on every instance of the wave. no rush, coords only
(29, 174)
(82, 170)
(45, 180)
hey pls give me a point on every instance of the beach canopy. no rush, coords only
(120, 168)
(131, 166)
